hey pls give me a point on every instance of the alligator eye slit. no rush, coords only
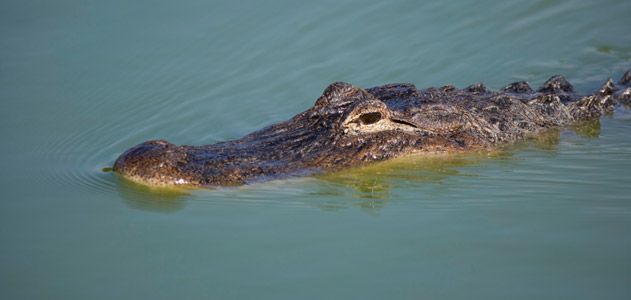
(404, 123)
(370, 118)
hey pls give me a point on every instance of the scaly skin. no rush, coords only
(349, 126)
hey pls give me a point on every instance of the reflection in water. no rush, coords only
(155, 199)
(371, 186)
(549, 139)
(588, 129)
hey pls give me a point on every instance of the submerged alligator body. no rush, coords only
(349, 126)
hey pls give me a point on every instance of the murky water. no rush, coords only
(81, 81)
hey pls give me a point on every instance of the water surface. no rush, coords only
(82, 81)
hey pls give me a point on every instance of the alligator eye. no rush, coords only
(370, 118)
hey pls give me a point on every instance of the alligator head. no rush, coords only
(349, 126)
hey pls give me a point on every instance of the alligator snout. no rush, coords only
(156, 162)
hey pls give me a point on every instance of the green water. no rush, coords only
(81, 81)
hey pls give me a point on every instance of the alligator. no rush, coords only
(349, 126)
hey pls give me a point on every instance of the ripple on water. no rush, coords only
(73, 166)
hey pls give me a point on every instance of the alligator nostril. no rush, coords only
(370, 118)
